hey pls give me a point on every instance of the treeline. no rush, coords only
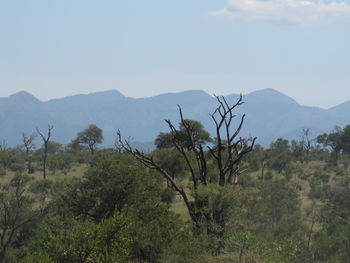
(193, 199)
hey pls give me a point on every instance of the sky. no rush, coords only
(143, 48)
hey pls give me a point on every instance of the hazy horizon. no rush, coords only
(144, 48)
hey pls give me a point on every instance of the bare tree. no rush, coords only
(46, 140)
(28, 145)
(306, 141)
(3, 145)
(227, 154)
(230, 153)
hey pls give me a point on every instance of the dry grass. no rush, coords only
(76, 171)
(178, 206)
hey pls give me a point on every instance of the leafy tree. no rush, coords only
(332, 140)
(194, 133)
(109, 186)
(280, 145)
(163, 140)
(16, 214)
(75, 146)
(91, 136)
(281, 154)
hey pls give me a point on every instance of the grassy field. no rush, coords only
(76, 171)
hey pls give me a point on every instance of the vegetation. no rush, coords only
(193, 199)
(91, 137)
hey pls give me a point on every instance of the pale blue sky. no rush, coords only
(142, 48)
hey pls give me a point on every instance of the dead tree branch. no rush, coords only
(148, 162)
(228, 153)
(46, 140)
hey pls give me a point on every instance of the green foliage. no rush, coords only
(90, 242)
(280, 156)
(337, 141)
(17, 164)
(163, 140)
(61, 161)
(275, 209)
(91, 136)
(287, 208)
(109, 186)
(116, 213)
(53, 147)
(172, 161)
(40, 257)
(2, 171)
(200, 136)
(7, 159)
(16, 215)
(280, 145)
(333, 243)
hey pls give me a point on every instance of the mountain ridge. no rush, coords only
(115, 91)
(269, 114)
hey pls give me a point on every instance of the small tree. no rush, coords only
(306, 141)
(28, 145)
(3, 146)
(91, 136)
(332, 140)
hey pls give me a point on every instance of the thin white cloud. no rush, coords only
(291, 11)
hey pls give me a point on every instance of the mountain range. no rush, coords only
(269, 115)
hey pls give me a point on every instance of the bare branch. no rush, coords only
(46, 140)
(149, 162)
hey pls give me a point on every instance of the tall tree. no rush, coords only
(45, 147)
(206, 190)
(91, 136)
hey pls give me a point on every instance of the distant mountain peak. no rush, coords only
(107, 92)
(272, 95)
(107, 96)
(268, 91)
(23, 96)
(194, 92)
